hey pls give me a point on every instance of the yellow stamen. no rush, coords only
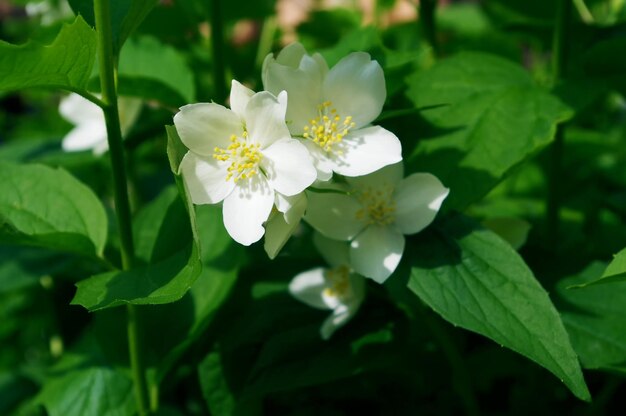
(327, 129)
(244, 157)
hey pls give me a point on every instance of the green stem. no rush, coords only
(107, 62)
(427, 10)
(217, 46)
(559, 61)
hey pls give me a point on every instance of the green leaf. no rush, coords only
(496, 119)
(475, 280)
(125, 16)
(66, 63)
(615, 272)
(169, 253)
(45, 207)
(84, 383)
(594, 318)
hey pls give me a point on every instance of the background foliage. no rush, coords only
(482, 94)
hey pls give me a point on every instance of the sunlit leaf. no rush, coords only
(46, 207)
(496, 119)
(65, 63)
(475, 280)
(170, 257)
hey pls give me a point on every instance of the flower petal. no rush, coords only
(291, 55)
(340, 316)
(308, 287)
(303, 88)
(334, 215)
(204, 126)
(365, 150)
(247, 208)
(384, 178)
(205, 179)
(239, 97)
(335, 253)
(265, 118)
(86, 136)
(281, 226)
(356, 87)
(418, 198)
(323, 165)
(78, 110)
(288, 167)
(376, 252)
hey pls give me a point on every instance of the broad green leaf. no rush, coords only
(475, 280)
(85, 383)
(594, 318)
(496, 119)
(615, 272)
(66, 63)
(125, 16)
(45, 207)
(150, 69)
(153, 71)
(165, 245)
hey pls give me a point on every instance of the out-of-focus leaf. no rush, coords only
(66, 63)
(594, 318)
(153, 71)
(475, 280)
(615, 272)
(125, 16)
(46, 207)
(85, 383)
(606, 62)
(496, 119)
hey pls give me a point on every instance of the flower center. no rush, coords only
(379, 208)
(328, 128)
(338, 280)
(244, 158)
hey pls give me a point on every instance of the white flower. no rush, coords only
(90, 130)
(337, 288)
(330, 110)
(375, 213)
(243, 156)
(283, 222)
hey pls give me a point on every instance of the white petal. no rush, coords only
(384, 178)
(334, 215)
(323, 165)
(247, 208)
(335, 253)
(265, 118)
(365, 150)
(303, 88)
(418, 198)
(78, 110)
(356, 87)
(292, 207)
(86, 136)
(239, 98)
(308, 287)
(204, 126)
(288, 167)
(205, 179)
(376, 252)
(340, 316)
(281, 226)
(291, 55)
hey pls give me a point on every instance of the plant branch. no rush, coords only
(107, 62)
(559, 61)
